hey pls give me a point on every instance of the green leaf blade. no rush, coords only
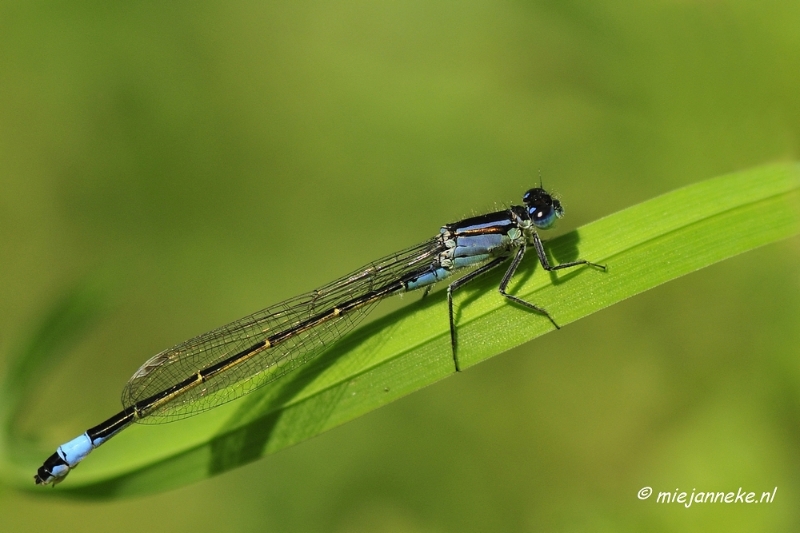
(644, 246)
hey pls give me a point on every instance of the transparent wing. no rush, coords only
(178, 363)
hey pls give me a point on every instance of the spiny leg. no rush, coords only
(507, 278)
(537, 243)
(460, 283)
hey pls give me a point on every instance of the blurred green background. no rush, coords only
(189, 164)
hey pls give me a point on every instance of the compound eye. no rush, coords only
(538, 214)
(543, 217)
(542, 208)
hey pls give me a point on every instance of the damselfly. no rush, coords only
(235, 359)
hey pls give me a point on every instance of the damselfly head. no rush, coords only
(543, 208)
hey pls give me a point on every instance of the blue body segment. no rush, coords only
(428, 278)
(469, 243)
(473, 250)
(479, 244)
(76, 450)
